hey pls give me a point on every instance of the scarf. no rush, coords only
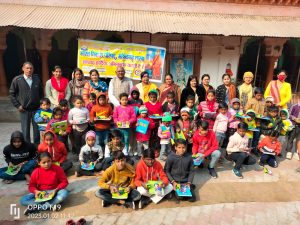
(165, 89)
(211, 105)
(61, 88)
(231, 92)
(77, 86)
(275, 91)
(246, 93)
(101, 87)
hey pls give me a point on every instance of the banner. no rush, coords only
(135, 58)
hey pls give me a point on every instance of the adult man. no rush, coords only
(26, 91)
(119, 84)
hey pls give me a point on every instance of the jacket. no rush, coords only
(22, 95)
(221, 93)
(101, 110)
(38, 118)
(13, 155)
(204, 144)
(203, 108)
(237, 143)
(57, 151)
(50, 179)
(165, 133)
(90, 154)
(145, 173)
(180, 168)
(294, 113)
(267, 142)
(221, 123)
(122, 178)
(186, 92)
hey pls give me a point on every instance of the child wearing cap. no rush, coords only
(143, 139)
(166, 133)
(257, 103)
(287, 127)
(90, 153)
(269, 101)
(233, 121)
(250, 121)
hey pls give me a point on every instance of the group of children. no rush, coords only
(110, 141)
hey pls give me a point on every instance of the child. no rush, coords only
(153, 106)
(114, 145)
(187, 127)
(64, 105)
(18, 153)
(221, 122)
(166, 133)
(47, 177)
(149, 169)
(208, 109)
(56, 149)
(190, 103)
(92, 101)
(233, 121)
(43, 115)
(257, 103)
(269, 101)
(79, 117)
(270, 147)
(102, 127)
(273, 123)
(238, 149)
(287, 127)
(180, 169)
(250, 121)
(62, 135)
(134, 99)
(119, 175)
(143, 139)
(90, 153)
(171, 106)
(124, 114)
(205, 145)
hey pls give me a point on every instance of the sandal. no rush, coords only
(70, 222)
(82, 221)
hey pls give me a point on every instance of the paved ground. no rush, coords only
(256, 199)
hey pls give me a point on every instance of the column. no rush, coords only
(45, 69)
(3, 79)
(270, 68)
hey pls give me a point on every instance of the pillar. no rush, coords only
(45, 69)
(270, 68)
(3, 80)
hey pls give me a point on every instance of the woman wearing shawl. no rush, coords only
(57, 87)
(145, 86)
(169, 86)
(280, 90)
(77, 83)
(246, 90)
(227, 91)
(95, 85)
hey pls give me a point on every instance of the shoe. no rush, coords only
(81, 221)
(129, 205)
(144, 202)
(30, 210)
(70, 222)
(261, 164)
(237, 173)
(104, 203)
(212, 173)
(289, 155)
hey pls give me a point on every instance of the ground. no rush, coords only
(257, 199)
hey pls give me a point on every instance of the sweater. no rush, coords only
(79, 114)
(48, 179)
(52, 94)
(22, 95)
(145, 173)
(155, 108)
(145, 137)
(233, 121)
(285, 93)
(180, 168)
(39, 118)
(189, 91)
(221, 93)
(221, 123)
(13, 155)
(237, 143)
(90, 154)
(166, 133)
(101, 110)
(124, 114)
(121, 178)
(204, 144)
(267, 142)
(257, 106)
(57, 151)
(116, 87)
(295, 113)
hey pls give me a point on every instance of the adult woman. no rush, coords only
(192, 88)
(227, 91)
(57, 87)
(246, 90)
(280, 90)
(95, 85)
(77, 83)
(204, 87)
(168, 86)
(145, 86)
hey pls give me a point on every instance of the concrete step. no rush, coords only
(8, 113)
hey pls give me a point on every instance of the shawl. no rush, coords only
(61, 88)
(275, 91)
(101, 87)
(246, 93)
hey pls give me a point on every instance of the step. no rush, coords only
(8, 113)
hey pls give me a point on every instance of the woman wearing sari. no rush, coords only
(167, 87)
(145, 86)
(57, 87)
(95, 85)
(77, 83)
(280, 90)
(246, 90)
(227, 91)
(204, 87)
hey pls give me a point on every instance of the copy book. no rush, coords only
(183, 190)
(155, 187)
(125, 124)
(48, 114)
(13, 170)
(242, 116)
(155, 116)
(120, 194)
(268, 151)
(44, 196)
(104, 118)
(179, 135)
(59, 126)
(258, 116)
(197, 160)
(142, 126)
(253, 129)
(56, 163)
(87, 166)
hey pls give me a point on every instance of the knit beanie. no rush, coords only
(90, 134)
(143, 109)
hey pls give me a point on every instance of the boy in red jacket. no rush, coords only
(148, 169)
(270, 147)
(205, 145)
(56, 149)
